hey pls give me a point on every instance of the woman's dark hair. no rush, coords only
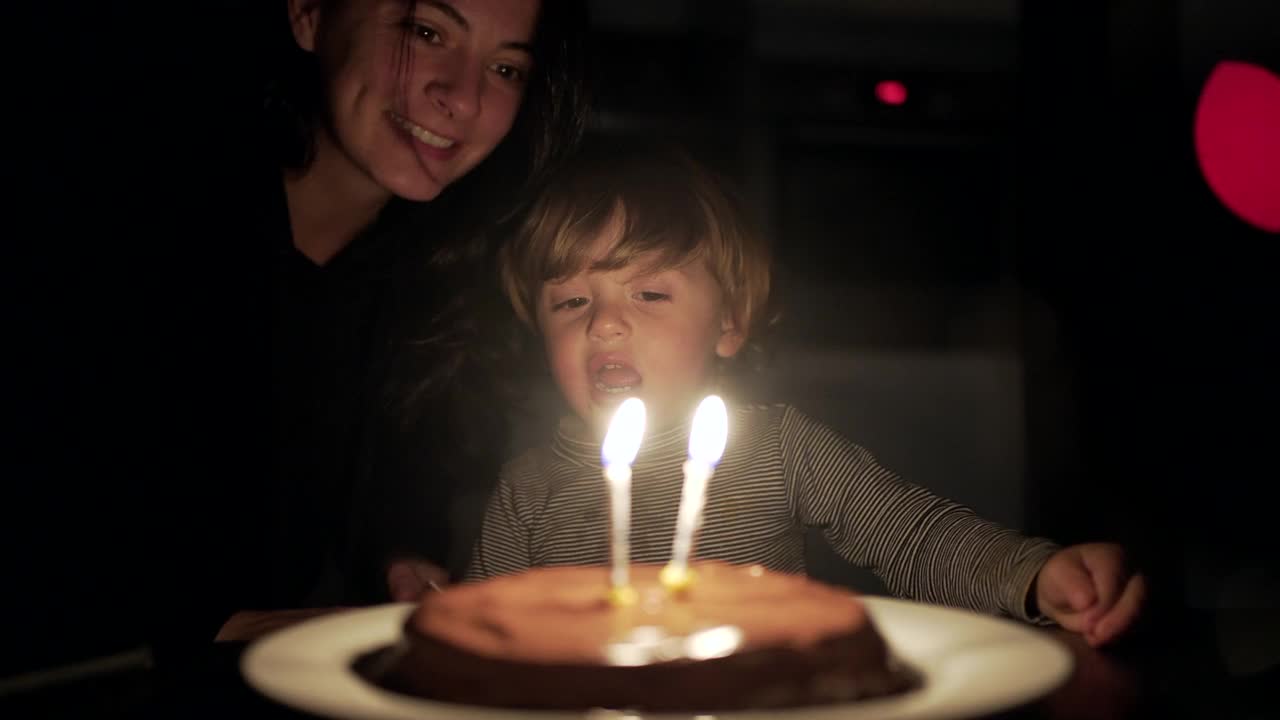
(469, 334)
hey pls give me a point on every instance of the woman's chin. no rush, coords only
(419, 189)
(411, 181)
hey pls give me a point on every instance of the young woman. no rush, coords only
(336, 388)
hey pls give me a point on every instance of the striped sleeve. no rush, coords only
(922, 546)
(504, 545)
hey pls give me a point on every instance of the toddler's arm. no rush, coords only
(924, 547)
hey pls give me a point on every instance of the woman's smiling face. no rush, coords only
(418, 94)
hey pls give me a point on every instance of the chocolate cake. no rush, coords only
(737, 637)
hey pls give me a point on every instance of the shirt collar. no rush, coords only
(574, 444)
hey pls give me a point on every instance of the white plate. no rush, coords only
(972, 665)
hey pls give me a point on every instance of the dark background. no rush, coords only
(1016, 287)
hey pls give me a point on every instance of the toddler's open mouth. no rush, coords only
(616, 378)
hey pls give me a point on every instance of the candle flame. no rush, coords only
(626, 430)
(710, 431)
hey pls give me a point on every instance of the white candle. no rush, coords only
(619, 477)
(621, 443)
(706, 445)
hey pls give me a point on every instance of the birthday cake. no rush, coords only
(736, 637)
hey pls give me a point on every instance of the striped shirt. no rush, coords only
(782, 472)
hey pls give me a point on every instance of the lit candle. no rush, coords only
(621, 443)
(706, 445)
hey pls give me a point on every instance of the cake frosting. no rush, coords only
(738, 637)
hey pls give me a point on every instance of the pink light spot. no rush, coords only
(1237, 138)
(891, 92)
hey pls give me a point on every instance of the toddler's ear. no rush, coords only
(731, 339)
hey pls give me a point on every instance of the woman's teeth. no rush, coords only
(423, 134)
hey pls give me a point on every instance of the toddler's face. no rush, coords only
(614, 334)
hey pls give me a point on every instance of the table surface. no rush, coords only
(1223, 664)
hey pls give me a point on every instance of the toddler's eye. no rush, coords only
(570, 304)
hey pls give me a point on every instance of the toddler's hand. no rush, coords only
(1087, 589)
(408, 578)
